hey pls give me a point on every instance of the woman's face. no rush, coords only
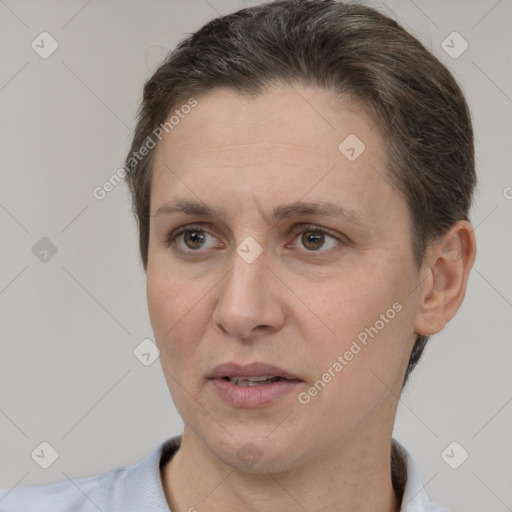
(327, 297)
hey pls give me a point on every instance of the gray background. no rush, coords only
(69, 325)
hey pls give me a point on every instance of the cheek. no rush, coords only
(370, 324)
(163, 299)
(361, 366)
(166, 290)
(177, 317)
(178, 314)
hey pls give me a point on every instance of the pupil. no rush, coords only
(308, 237)
(195, 238)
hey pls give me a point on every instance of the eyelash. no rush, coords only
(300, 228)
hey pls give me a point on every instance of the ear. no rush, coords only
(444, 276)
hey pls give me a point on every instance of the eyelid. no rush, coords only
(320, 229)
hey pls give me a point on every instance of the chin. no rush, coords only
(256, 453)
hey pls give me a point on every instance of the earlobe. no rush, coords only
(445, 276)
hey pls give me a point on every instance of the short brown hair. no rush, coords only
(350, 50)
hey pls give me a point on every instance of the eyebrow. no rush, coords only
(297, 208)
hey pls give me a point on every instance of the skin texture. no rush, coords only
(299, 305)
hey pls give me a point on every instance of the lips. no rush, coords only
(251, 374)
(253, 385)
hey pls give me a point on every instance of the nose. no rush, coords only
(249, 303)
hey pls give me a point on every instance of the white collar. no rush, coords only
(414, 498)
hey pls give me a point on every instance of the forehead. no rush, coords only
(289, 142)
(306, 118)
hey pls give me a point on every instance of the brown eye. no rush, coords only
(191, 239)
(313, 240)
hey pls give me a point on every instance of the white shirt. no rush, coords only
(138, 488)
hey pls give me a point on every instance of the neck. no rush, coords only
(355, 474)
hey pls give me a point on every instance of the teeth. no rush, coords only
(252, 381)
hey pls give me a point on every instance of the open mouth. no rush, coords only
(253, 381)
(252, 385)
